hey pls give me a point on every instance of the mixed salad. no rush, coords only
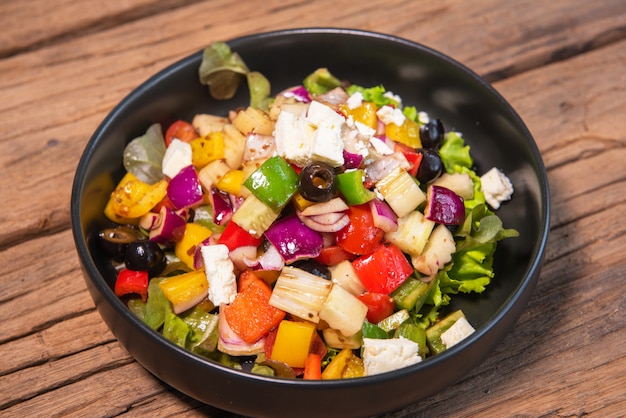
(316, 234)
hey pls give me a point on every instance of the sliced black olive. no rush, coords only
(430, 167)
(318, 182)
(114, 241)
(145, 254)
(431, 134)
(314, 267)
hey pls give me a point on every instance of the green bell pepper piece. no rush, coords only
(350, 185)
(273, 183)
(373, 331)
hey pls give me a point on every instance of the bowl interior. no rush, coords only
(423, 78)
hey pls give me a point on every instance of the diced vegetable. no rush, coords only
(344, 365)
(186, 290)
(313, 367)
(383, 270)
(444, 206)
(300, 293)
(343, 311)
(207, 148)
(254, 216)
(412, 293)
(293, 342)
(235, 236)
(335, 339)
(133, 198)
(293, 239)
(412, 233)
(250, 314)
(379, 305)
(360, 236)
(130, 281)
(437, 252)
(384, 217)
(350, 185)
(168, 227)
(394, 320)
(344, 275)
(185, 248)
(181, 130)
(400, 191)
(184, 190)
(273, 183)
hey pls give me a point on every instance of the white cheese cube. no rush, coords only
(327, 146)
(390, 114)
(460, 330)
(355, 100)
(381, 356)
(177, 156)
(294, 138)
(496, 186)
(220, 274)
(321, 115)
(393, 96)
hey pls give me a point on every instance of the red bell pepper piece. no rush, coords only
(379, 306)
(383, 270)
(131, 281)
(412, 156)
(313, 367)
(360, 236)
(182, 130)
(235, 236)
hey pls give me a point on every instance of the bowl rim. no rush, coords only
(528, 280)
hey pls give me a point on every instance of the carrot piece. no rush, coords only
(250, 315)
(313, 367)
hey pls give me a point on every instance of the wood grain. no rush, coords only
(64, 65)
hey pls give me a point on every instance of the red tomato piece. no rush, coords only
(131, 281)
(379, 306)
(383, 270)
(333, 255)
(182, 130)
(360, 236)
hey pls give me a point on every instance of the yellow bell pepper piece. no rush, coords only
(335, 368)
(293, 342)
(231, 182)
(186, 247)
(365, 114)
(185, 290)
(354, 368)
(408, 133)
(132, 198)
(207, 149)
(300, 202)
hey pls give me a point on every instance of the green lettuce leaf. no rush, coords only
(143, 156)
(374, 94)
(157, 306)
(455, 153)
(221, 70)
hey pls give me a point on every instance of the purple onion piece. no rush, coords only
(444, 206)
(294, 240)
(383, 216)
(184, 189)
(169, 227)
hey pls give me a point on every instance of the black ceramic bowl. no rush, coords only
(424, 78)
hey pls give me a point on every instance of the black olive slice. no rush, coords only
(318, 182)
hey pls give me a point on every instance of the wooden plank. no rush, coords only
(71, 107)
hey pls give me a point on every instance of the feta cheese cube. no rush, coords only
(177, 156)
(390, 114)
(496, 186)
(294, 137)
(355, 100)
(393, 96)
(219, 270)
(381, 356)
(460, 330)
(314, 137)
(321, 115)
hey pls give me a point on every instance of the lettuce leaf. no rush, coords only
(454, 153)
(143, 156)
(320, 81)
(374, 94)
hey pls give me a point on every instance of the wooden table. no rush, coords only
(562, 64)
